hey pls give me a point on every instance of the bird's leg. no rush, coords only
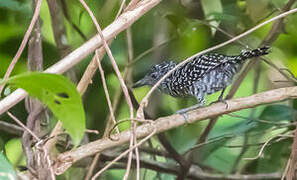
(183, 112)
(220, 99)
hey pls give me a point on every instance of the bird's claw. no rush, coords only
(184, 111)
(186, 117)
(221, 101)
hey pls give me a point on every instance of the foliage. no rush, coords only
(189, 26)
(60, 95)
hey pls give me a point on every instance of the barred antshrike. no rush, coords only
(205, 74)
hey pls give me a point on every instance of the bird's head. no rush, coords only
(155, 74)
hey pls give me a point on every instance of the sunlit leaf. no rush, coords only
(6, 169)
(14, 151)
(60, 95)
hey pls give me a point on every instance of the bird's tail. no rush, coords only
(255, 53)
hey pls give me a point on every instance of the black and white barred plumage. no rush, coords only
(205, 74)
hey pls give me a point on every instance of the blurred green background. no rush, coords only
(188, 27)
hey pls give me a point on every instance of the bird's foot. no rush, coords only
(221, 101)
(184, 111)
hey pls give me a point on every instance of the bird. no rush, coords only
(201, 76)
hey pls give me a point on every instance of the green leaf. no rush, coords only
(274, 114)
(277, 113)
(14, 152)
(60, 95)
(215, 155)
(240, 128)
(6, 169)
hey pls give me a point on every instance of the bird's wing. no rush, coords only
(200, 65)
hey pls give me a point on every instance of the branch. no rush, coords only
(292, 173)
(120, 24)
(165, 123)
(11, 128)
(194, 172)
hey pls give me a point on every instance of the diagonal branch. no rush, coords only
(66, 159)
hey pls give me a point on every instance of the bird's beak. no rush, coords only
(139, 83)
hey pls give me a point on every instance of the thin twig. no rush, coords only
(68, 18)
(121, 8)
(129, 73)
(82, 86)
(197, 146)
(92, 131)
(11, 128)
(126, 152)
(162, 137)
(286, 169)
(38, 144)
(115, 103)
(59, 26)
(131, 5)
(263, 147)
(118, 73)
(23, 44)
(23, 126)
(106, 90)
(291, 173)
(146, 52)
(112, 117)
